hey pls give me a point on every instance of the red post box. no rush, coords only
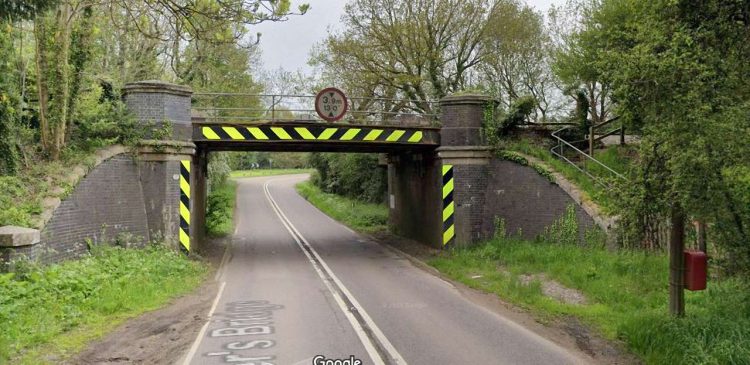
(696, 263)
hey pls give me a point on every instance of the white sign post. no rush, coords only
(331, 104)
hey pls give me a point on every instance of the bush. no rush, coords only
(519, 110)
(102, 120)
(220, 210)
(356, 176)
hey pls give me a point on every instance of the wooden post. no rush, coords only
(622, 135)
(591, 141)
(701, 233)
(677, 263)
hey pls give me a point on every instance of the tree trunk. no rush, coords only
(40, 33)
(702, 235)
(52, 32)
(80, 56)
(676, 262)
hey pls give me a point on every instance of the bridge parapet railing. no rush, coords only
(240, 108)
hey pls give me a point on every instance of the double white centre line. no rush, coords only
(381, 350)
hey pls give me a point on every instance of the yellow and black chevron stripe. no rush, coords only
(311, 133)
(449, 230)
(185, 204)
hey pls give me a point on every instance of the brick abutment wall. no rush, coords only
(526, 201)
(107, 205)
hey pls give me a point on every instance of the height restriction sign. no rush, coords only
(330, 104)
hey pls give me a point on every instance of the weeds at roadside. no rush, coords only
(39, 306)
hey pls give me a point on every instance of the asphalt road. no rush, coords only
(296, 284)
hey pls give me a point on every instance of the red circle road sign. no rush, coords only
(331, 104)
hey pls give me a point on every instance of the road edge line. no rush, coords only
(197, 342)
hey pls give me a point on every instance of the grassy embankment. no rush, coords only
(616, 157)
(626, 291)
(49, 313)
(365, 217)
(21, 195)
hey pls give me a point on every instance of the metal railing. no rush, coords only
(560, 149)
(239, 108)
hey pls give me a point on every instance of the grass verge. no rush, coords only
(220, 209)
(49, 313)
(627, 297)
(269, 172)
(364, 217)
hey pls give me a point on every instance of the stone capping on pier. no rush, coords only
(157, 87)
(13, 236)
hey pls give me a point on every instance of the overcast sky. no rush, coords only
(287, 44)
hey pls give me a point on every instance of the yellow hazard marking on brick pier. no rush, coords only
(184, 228)
(449, 227)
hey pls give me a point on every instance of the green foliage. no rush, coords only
(679, 73)
(8, 104)
(12, 190)
(580, 115)
(42, 305)
(218, 169)
(352, 175)
(24, 9)
(626, 295)
(269, 172)
(517, 114)
(564, 230)
(389, 49)
(273, 160)
(102, 120)
(354, 213)
(220, 209)
(516, 53)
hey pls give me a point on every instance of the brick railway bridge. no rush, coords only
(438, 167)
(445, 187)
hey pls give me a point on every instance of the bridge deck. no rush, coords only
(300, 136)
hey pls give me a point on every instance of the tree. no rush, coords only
(8, 105)
(201, 42)
(11, 88)
(176, 23)
(419, 50)
(577, 55)
(515, 56)
(679, 71)
(60, 62)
